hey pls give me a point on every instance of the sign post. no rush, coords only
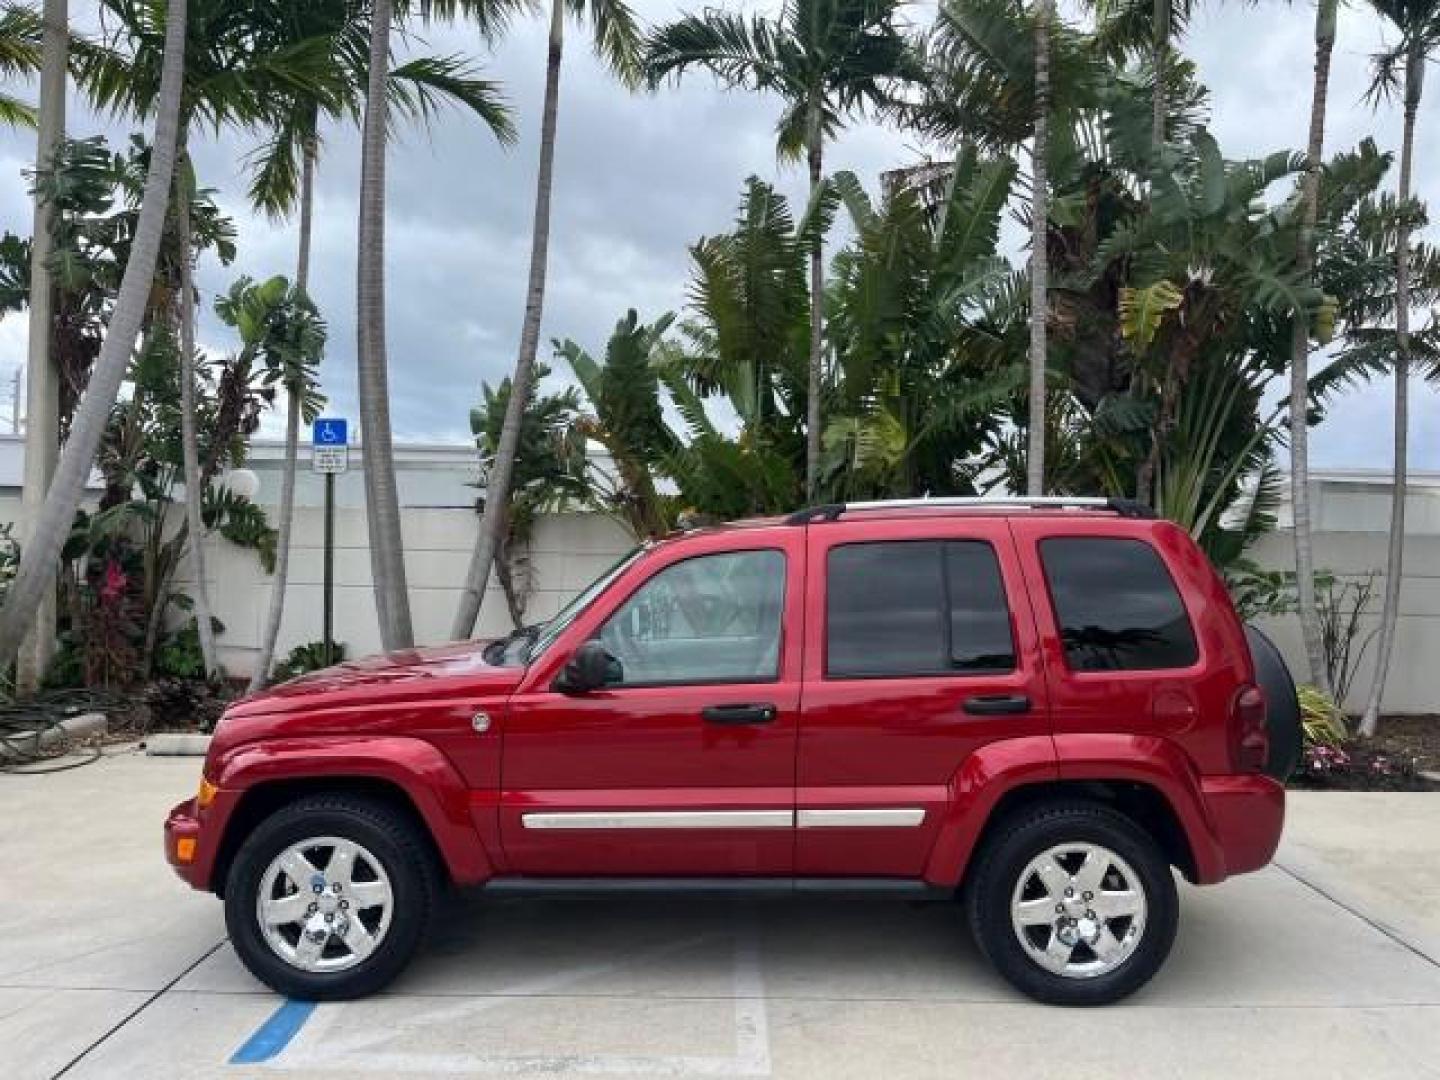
(329, 456)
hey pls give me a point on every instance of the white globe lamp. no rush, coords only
(243, 484)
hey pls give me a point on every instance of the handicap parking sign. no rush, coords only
(329, 445)
(331, 431)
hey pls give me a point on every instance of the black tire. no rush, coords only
(1025, 836)
(1282, 706)
(390, 837)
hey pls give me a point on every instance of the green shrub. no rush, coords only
(179, 656)
(306, 658)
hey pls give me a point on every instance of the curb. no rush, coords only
(177, 745)
(27, 745)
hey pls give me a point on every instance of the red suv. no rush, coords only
(1037, 706)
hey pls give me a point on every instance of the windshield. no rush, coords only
(543, 637)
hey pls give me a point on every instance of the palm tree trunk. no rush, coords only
(1300, 357)
(815, 151)
(505, 574)
(260, 676)
(42, 411)
(36, 574)
(497, 484)
(1157, 101)
(189, 438)
(1394, 564)
(387, 551)
(307, 205)
(1039, 261)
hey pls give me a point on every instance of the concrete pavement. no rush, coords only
(110, 967)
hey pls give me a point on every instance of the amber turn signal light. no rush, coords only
(206, 795)
(185, 849)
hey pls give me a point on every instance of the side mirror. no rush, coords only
(589, 668)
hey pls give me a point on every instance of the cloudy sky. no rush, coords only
(639, 177)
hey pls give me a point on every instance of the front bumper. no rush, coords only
(185, 847)
(1247, 814)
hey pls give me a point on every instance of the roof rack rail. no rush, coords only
(1129, 508)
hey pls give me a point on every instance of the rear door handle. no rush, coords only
(997, 704)
(738, 714)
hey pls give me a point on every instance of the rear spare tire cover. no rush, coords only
(1282, 706)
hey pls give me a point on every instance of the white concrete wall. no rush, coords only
(1351, 515)
(569, 551)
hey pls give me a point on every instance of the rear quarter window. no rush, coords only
(1116, 605)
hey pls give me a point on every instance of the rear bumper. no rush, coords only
(1247, 814)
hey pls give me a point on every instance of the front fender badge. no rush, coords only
(480, 722)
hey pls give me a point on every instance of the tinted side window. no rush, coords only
(1117, 605)
(713, 618)
(916, 607)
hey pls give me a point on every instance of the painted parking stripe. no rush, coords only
(274, 1034)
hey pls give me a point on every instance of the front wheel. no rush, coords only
(1073, 904)
(329, 897)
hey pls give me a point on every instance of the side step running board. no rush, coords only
(517, 885)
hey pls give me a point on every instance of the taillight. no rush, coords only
(1247, 725)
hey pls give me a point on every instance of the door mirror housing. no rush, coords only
(589, 668)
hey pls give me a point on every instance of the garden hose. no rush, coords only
(23, 723)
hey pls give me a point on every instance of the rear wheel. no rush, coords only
(330, 897)
(1073, 904)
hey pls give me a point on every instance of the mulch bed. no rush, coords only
(1404, 748)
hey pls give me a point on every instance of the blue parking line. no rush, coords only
(274, 1034)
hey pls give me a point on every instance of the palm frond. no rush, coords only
(421, 87)
(617, 37)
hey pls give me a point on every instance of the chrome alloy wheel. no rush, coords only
(324, 904)
(1078, 910)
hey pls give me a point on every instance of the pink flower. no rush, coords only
(112, 584)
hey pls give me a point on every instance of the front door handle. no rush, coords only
(738, 714)
(997, 704)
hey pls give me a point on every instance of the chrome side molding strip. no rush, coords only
(898, 817)
(662, 819)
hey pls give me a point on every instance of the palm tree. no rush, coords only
(281, 331)
(1127, 27)
(922, 310)
(626, 418)
(233, 74)
(552, 473)
(748, 331)
(616, 38)
(1400, 69)
(189, 439)
(1325, 15)
(42, 412)
(38, 562)
(1039, 262)
(387, 552)
(825, 59)
(1001, 77)
(284, 175)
